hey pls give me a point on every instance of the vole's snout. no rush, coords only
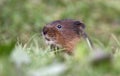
(44, 31)
(48, 33)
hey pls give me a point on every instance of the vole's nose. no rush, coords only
(45, 30)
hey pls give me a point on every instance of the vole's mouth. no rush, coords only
(49, 40)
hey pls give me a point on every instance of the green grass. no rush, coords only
(21, 22)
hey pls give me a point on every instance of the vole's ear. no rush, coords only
(79, 24)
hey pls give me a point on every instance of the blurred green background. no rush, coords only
(22, 49)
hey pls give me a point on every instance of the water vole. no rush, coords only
(67, 33)
(63, 34)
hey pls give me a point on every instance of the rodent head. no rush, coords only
(63, 32)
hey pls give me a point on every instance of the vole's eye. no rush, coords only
(59, 26)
